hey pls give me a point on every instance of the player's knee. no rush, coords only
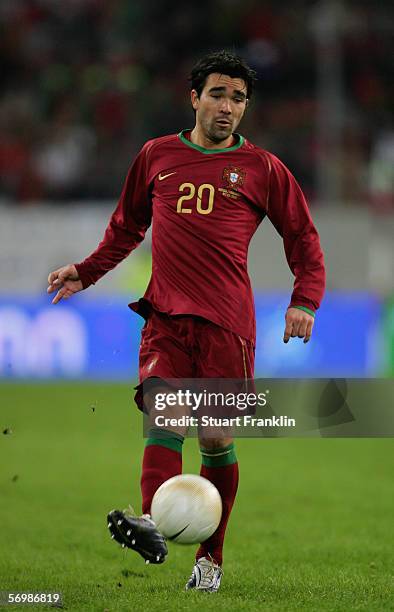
(173, 418)
(214, 443)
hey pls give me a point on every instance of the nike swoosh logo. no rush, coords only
(182, 530)
(164, 176)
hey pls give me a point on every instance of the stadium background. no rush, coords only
(83, 84)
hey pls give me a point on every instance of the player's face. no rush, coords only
(220, 107)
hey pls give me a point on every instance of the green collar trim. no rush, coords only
(211, 151)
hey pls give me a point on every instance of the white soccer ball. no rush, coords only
(187, 509)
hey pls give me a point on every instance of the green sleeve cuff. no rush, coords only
(305, 309)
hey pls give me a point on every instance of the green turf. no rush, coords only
(312, 529)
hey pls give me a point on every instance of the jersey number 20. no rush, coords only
(204, 204)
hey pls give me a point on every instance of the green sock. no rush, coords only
(164, 437)
(219, 456)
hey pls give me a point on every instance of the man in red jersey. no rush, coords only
(206, 191)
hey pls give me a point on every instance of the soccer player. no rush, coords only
(206, 190)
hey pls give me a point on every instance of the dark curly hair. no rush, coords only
(223, 62)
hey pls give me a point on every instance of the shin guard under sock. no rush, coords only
(162, 460)
(220, 466)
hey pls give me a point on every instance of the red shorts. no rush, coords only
(185, 346)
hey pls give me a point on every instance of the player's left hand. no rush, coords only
(299, 324)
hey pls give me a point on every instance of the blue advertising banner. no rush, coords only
(345, 341)
(99, 338)
(81, 338)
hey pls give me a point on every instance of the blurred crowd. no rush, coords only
(85, 82)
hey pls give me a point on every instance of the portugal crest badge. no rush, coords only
(234, 177)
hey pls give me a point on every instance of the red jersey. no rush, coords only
(205, 205)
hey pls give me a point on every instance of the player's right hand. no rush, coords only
(65, 281)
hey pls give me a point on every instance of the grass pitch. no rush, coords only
(312, 528)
